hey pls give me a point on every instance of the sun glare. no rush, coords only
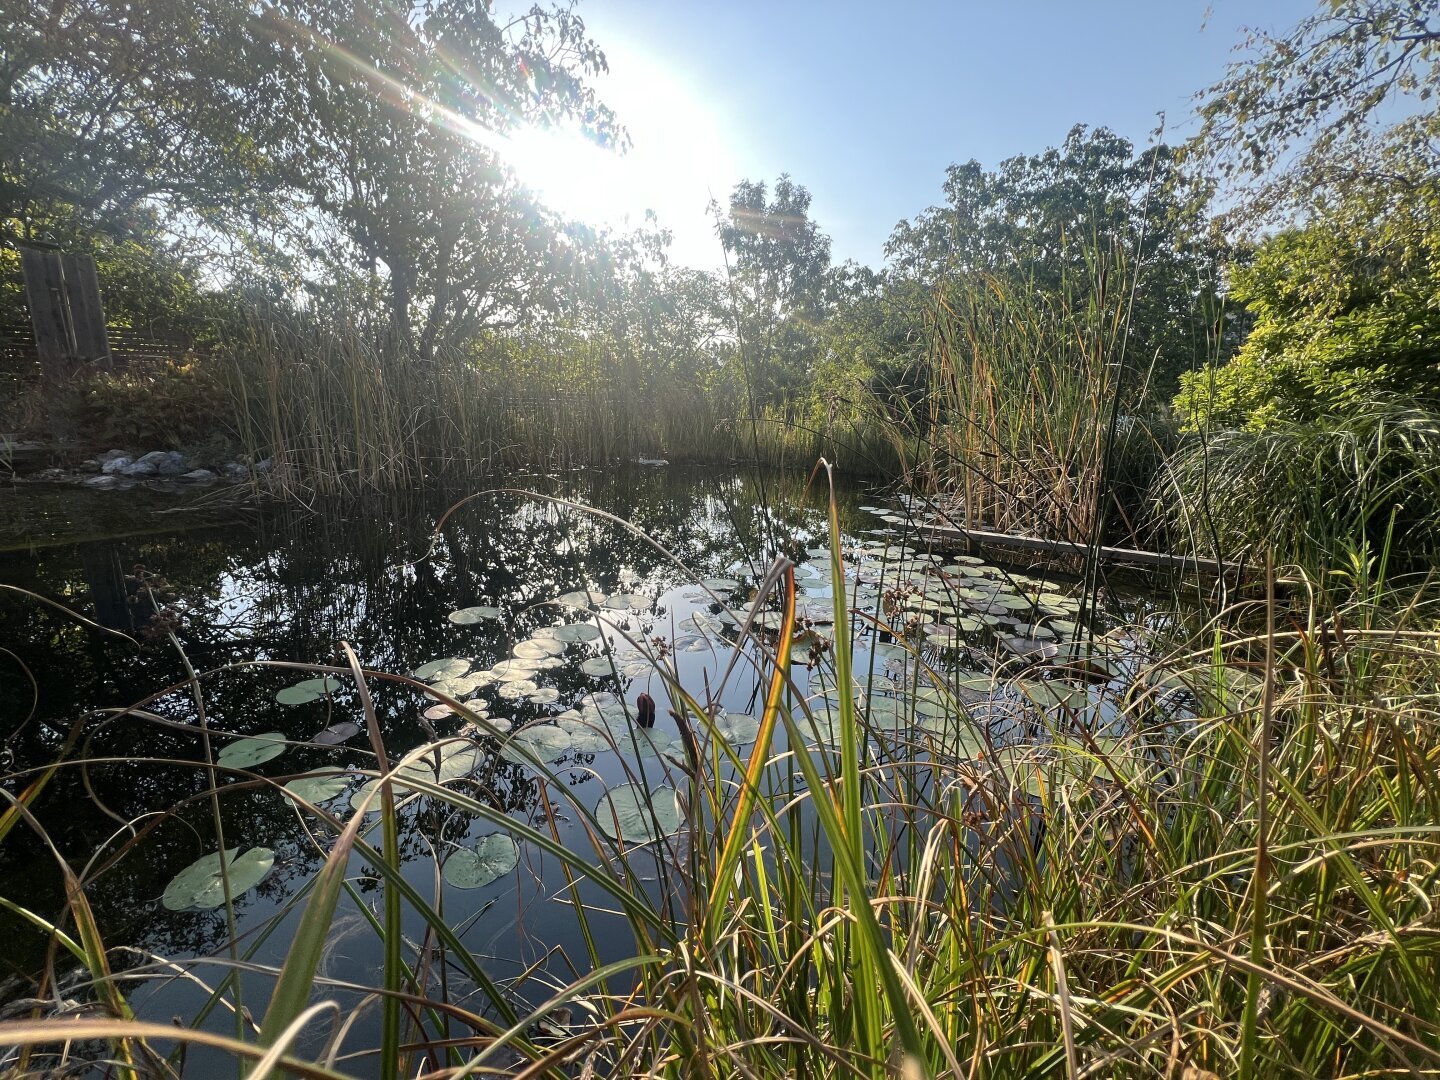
(677, 162)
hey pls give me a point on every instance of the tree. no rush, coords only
(1346, 309)
(1299, 109)
(779, 260)
(398, 117)
(1094, 211)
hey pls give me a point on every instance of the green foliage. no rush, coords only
(1345, 310)
(1299, 111)
(1310, 489)
(1042, 221)
(163, 404)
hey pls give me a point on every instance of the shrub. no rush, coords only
(161, 404)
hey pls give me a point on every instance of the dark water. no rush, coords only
(237, 586)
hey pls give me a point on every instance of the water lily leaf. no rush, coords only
(468, 616)
(318, 787)
(246, 753)
(492, 857)
(721, 584)
(590, 734)
(515, 670)
(626, 813)
(546, 695)
(200, 886)
(519, 688)
(576, 632)
(544, 742)
(597, 667)
(450, 667)
(335, 734)
(580, 598)
(296, 695)
(538, 648)
(738, 729)
(328, 685)
(629, 602)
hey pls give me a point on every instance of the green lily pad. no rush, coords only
(200, 886)
(297, 695)
(516, 670)
(629, 602)
(597, 667)
(468, 616)
(580, 598)
(626, 813)
(538, 648)
(738, 729)
(327, 685)
(544, 742)
(450, 667)
(492, 857)
(721, 584)
(318, 787)
(546, 695)
(574, 632)
(247, 753)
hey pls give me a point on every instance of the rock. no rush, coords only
(651, 461)
(174, 464)
(107, 480)
(235, 471)
(116, 464)
(89, 465)
(49, 474)
(111, 455)
(263, 465)
(154, 457)
(200, 476)
(140, 468)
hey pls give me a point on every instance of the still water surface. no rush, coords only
(480, 591)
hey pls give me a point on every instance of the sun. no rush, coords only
(678, 161)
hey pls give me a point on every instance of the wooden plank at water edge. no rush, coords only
(1181, 564)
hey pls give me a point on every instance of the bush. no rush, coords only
(1310, 490)
(161, 404)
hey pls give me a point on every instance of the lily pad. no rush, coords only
(468, 616)
(450, 667)
(629, 602)
(738, 729)
(721, 584)
(580, 598)
(492, 857)
(336, 733)
(627, 813)
(577, 632)
(318, 787)
(200, 885)
(597, 666)
(246, 753)
(519, 688)
(298, 694)
(538, 648)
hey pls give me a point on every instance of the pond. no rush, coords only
(544, 623)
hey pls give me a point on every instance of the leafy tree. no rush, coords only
(779, 261)
(1073, 214)
(1346, 309)
(110, 109)
(1298, 110)
(396, 115)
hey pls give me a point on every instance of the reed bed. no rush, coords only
(1241, 884)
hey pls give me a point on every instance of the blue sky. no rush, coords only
(866, 104)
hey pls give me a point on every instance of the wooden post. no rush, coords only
(49, 313)
(87, 314)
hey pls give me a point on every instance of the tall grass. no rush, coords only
(1311, 490)
(1013, 429)
(1239, 885)
(341, 411)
